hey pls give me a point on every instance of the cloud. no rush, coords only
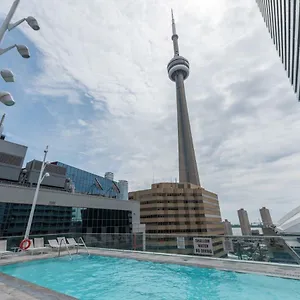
(104, 87)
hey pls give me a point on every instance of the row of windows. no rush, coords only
(173, 216)
(215, 229)
(177, 231)
(173, 195)
(182, 223)
(14, 218)
(176, 208)
(171, 201)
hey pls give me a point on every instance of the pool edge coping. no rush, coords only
(229, 265)
(34, 290)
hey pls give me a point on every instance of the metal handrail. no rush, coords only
(62, 240)
(87, 250)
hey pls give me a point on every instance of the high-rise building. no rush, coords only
(179, 209)
(227, 227)
(178, 70)
(266, 217)
(282, 18)
(244, 222)
(185, 209)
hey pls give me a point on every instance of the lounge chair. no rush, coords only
(3, 248)
(62, 241)
(38, 246)
(39, 243)
(72, 242)
(54, 245)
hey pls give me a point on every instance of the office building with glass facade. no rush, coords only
(90, 208)
(282, 18)
(85, 182)
(56, 212)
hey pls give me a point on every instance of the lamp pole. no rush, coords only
(8, 18)
(40, 179)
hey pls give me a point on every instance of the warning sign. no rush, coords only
(228, 245)
(203, 246)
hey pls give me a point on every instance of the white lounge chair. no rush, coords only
(72, 242)
(3, 248)
(63, 242)
(39, 243)
(38, 246)
(54, 244)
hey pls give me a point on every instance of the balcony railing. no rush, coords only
(279, 249)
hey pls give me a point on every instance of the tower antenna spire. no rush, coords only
(173, 23)
(174, 36)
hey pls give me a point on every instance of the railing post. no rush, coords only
(144, 241)
(134, 241)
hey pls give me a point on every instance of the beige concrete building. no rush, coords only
(244, 222)
(266, 217)
(172, 210)
(227, 227)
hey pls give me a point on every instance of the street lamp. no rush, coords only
(40, 179)
(7, 75)
(22, 49)
(6, 98)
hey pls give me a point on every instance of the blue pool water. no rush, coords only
(96, 277)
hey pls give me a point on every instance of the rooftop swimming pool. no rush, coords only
(99, 277)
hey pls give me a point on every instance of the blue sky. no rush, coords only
(96, 90)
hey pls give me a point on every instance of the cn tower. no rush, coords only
(178, 70)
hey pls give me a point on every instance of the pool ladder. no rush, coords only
(77, 246)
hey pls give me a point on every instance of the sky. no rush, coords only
(96, 90)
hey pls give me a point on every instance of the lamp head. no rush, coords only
(47, 174)
(6, 98)
(7, 75)
(23, 50)
(33, 23)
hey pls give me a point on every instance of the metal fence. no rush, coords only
(280, 249)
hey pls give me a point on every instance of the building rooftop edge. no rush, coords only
(174, 185)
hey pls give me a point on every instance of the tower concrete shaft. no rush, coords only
(178, 70)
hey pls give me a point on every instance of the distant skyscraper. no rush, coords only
(178, 70)
(266, 217)
(282, 18)
(227, 227)
(244, 222)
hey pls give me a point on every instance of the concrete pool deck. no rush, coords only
(13, 288)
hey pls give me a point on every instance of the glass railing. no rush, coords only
(279, 249)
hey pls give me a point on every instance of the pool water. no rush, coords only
(97, 277)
